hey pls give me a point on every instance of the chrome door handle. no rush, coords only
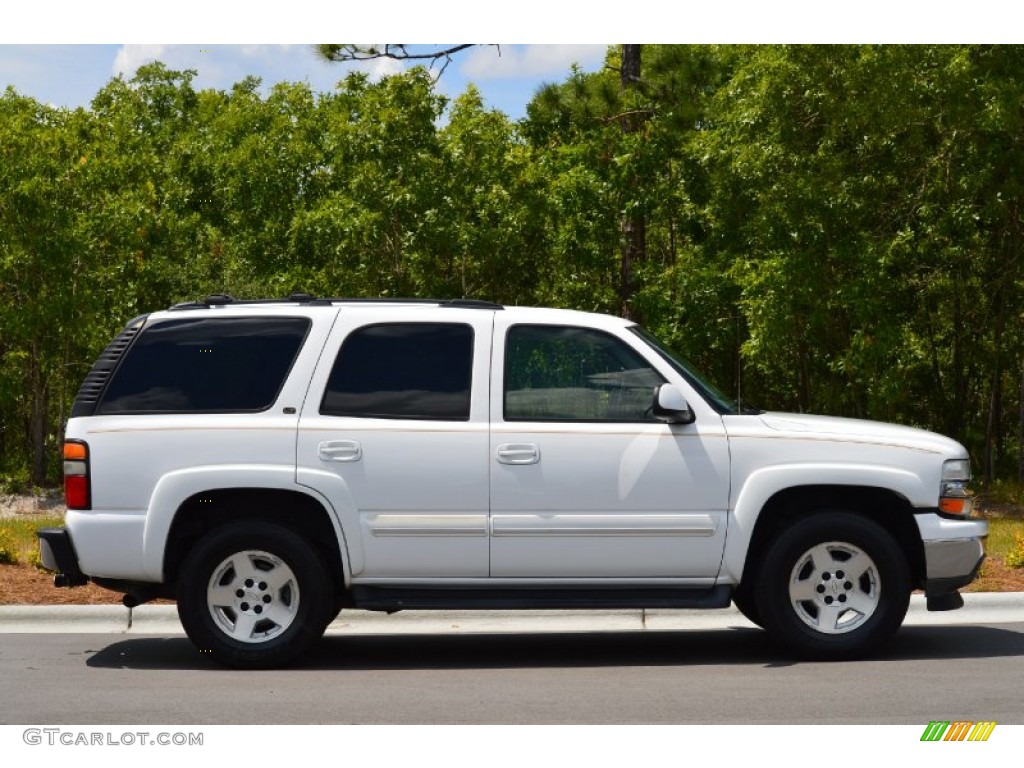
(340, 450)
(518, 453)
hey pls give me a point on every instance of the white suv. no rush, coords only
(268, 463)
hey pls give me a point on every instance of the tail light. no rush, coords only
(77, 486)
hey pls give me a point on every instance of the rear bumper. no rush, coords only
(57, 553)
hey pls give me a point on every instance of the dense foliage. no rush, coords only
(827, 229)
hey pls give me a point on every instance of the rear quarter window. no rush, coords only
(206, 365)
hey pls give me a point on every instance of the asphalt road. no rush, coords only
(723, 675)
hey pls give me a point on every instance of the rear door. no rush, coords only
(394, 432)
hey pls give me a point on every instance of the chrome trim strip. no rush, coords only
(597, 525)
(384, 525)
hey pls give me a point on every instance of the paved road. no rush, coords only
(722, 675)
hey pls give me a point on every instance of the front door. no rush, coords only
(585, 482)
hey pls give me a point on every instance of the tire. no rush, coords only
(745, 603)
(254, 595)
(833, 586)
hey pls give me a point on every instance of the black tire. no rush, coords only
(254, 595)
(832, 586)
(743, 599)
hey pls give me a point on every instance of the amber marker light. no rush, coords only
(75, 451)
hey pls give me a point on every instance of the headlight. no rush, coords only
(954, 494)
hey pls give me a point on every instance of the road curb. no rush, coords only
(979, 608)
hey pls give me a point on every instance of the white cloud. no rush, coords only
(220, 66)
(130, 57)
(265, 52)
(512, 61)
(380, 68)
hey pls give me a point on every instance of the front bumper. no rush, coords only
(953, 553)
(57, 553)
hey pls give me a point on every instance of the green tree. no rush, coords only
(871, 227)
(41, 276)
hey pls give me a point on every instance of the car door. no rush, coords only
(585, 482)
(394, 433)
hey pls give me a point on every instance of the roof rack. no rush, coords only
(299, 297)
(471, 304)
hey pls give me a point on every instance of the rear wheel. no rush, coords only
(833, 586)
(254, 595)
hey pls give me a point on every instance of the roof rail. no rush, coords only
(461, 303)
(471, 304)
(301, 297)
(223, 299)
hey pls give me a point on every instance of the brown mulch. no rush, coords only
(997, 577)
(27, 585)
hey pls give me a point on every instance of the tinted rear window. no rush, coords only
(403, 371)
(206, 365)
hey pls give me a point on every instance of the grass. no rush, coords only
(1004, 537)
(18, 543)
(1002, 505)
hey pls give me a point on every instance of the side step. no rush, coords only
(411, 598)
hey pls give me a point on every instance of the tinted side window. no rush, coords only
(403, 371)
(556, 373)
(206, 365)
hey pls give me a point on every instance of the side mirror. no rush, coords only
(671, 407)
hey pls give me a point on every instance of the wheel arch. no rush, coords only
(297, 510)
(885, 506)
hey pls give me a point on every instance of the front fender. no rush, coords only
(762, 484)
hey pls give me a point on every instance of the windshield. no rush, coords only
(715, 397)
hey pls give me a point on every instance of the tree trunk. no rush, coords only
(634, 224)
(995, 406)
(1020, 431)
(37, 419)
(993, 426)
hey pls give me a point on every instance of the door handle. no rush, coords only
(340, 450)
(518, 453)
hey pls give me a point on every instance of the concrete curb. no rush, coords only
(979, 608)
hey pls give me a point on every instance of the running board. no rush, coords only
(426, 599)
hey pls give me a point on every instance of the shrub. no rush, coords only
(1015, 557)
(35, 559)
(8, 548)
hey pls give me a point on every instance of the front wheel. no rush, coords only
(254, 595)
(834, 585)
(744, 601)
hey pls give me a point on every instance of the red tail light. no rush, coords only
(77, 491)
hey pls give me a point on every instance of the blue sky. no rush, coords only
(63, 51)
(70, 75)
